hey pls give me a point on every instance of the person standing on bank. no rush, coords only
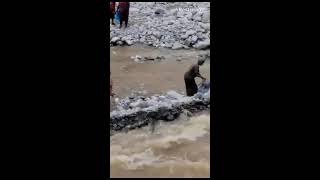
(112, 11)
(189, 78)
(123, 8)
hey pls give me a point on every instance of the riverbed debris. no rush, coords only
(140, 59)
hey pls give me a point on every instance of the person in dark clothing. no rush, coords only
(189, 78)
(123, 8)
(112, 11)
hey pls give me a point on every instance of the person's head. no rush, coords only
(201, 61)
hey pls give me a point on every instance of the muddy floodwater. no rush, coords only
(180, 148)
(152, 77)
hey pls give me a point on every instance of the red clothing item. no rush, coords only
(124, 7)
(112, 6)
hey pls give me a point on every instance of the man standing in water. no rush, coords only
(189, 78)
(123, 8)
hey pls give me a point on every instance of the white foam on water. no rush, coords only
(173, 150)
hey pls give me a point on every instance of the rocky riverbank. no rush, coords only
(137, 111)
(174, 25)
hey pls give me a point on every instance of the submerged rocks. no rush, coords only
(173, 25)
(140, 59)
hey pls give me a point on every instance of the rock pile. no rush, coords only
(138, 111)
(174, 25)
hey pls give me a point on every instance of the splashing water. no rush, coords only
(175, 149)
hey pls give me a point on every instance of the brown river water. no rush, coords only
(175, 149)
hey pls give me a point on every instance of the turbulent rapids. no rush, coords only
(180, 148)
(139, 111)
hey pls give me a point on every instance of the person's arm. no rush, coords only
(198, 73)
(118, 6)
(114, 5)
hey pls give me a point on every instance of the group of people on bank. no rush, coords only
(121, 11)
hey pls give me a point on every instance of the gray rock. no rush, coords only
(160, 57)
(202, 44)
(157, 34)
(183, 20)
(171, 18)
(184, 36)
(149, 58)
(142, 40)
(194, 39)
(115, 39)
(180, 14)
(174, 11)
(205, 26)
(119, 43)
(133, 10)
(197, 17)
(170, 22)
(190, 32)
(129, 42)
(206, 17)
(187, 42)
(177, 45)
(189, 15)
(186, 47)
(160, 11)
(168, 45)
(201, 30)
